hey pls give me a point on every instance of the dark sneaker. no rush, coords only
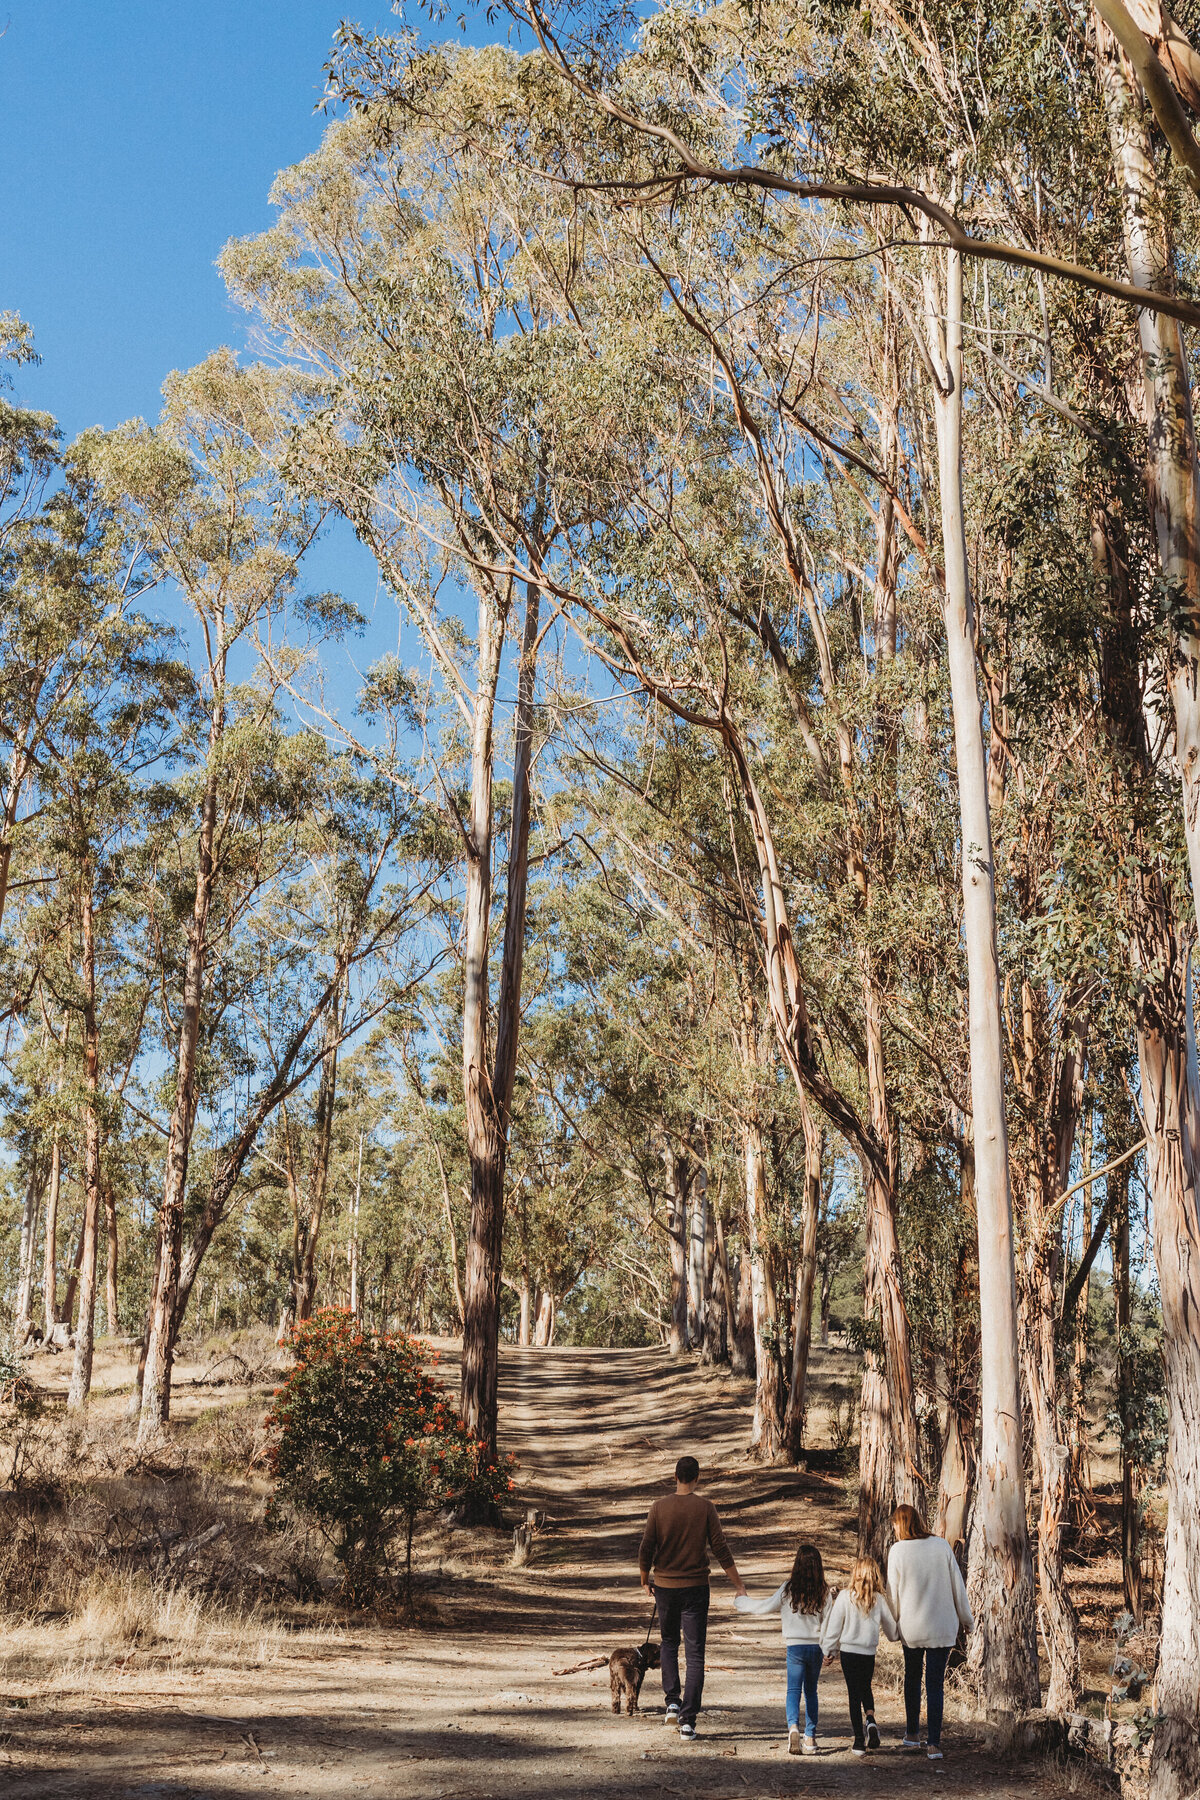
(687, 1733)
(671, 1716)
(872, 1735)
(858, 1749)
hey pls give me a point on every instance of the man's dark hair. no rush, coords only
(687, 1469)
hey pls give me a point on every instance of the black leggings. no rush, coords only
(859, 1671)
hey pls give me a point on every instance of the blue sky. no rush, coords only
(136, 137)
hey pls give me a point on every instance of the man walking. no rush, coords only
(680, 1532)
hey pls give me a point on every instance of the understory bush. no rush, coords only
(368, 1441)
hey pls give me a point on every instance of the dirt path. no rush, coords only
(468, 1708)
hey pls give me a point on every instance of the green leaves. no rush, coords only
(368, 1441)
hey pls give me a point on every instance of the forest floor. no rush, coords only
(467, 1705)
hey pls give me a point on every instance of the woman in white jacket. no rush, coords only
(928, 1597)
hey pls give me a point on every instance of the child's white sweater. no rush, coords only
(798, 1627)
(854, 1631)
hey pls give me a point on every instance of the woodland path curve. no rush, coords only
(468, 1707)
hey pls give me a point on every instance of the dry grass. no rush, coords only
(126, 1621)
(114, 1560)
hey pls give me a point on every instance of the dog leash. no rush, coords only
(650, 1626)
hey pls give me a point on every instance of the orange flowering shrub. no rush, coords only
(368, 1441)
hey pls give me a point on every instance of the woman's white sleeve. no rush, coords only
(962, 1605)
(893, 1585)
(745, 1603)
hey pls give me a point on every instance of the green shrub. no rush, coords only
(368, 1441)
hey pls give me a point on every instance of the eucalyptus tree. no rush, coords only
(871, 100)
(1135, 83)
(200, 493)
(107, 740)
(403, 278)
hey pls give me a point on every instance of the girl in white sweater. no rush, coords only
(804, 1604)
(928, 1596)
(855, 1620)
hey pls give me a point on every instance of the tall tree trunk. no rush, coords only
(543, 1331)
(697, 1259)
(112, 1304)
(767, 1433)
(488, 1092)
(740, 1352)
(318, 1180)
(1059, 1620)
(744, 1363)
(956, 1476)
(1131, 1560)
(956, 1481)
(806, 1275)
(1004, 1645)
(1080, 1474)
(1047, 1176)
(886, 1291)
(85, 1330)
(27, 1253)
(357, 1203)
(451, 1234)
(1173, 1129)
(18, 769)
(876, 1439)
(714, 1343)
(160, 1338)
(1171, 1111)
(50, 1258)
(677, 1249)
(67, 1312)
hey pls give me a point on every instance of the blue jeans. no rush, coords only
(935, 1688)
(803, 1666)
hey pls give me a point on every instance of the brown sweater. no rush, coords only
(680, 1532)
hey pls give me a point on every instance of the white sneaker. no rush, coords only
(793, 1740)
(933, 1753)
(810, 1746)
(858, 1750)
(910, 1746)
(671, 1716)
(687, 1733)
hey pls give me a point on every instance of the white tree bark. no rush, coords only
(1004, 1645)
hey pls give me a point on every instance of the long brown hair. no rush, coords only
(908, 1523)
(806, 1585)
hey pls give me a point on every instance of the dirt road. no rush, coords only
(468, 1706)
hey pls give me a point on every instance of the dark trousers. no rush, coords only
(683, 1612)
(935, 1689)
(859, 1671)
